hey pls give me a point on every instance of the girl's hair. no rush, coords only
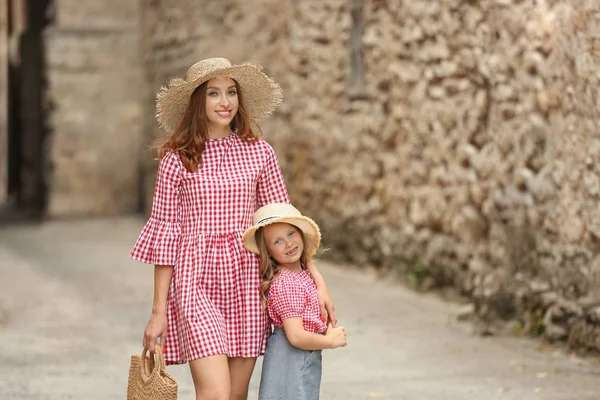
(268, 265)
(188, 139)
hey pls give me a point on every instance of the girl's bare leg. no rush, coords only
(211, 378)
(240, 371)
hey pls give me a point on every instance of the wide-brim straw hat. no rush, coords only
(286, 213)
(261, 94)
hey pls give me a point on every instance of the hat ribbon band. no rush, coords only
(266, 219)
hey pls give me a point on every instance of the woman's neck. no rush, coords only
(219, 132)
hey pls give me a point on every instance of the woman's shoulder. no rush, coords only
(170, 156)
(260, 145)
(170, 160)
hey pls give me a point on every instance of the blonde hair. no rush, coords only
(268, 265)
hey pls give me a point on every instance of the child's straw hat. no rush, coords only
(261, 94)
(286, 213)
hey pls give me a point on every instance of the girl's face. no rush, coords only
(221, 102)
(285, 244)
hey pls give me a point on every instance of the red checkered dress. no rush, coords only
(196, 224)
(294, 294)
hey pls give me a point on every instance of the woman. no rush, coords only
(214, 173)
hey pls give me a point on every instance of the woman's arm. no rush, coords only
(298, 337)
(162, 281)
(157, 325)
(325, 302)
(271, 187)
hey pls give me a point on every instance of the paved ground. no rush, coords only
(73, 307)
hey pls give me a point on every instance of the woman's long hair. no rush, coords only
(268, 266)
(188, 140)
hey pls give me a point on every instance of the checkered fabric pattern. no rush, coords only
(196, 224)
(294, 294)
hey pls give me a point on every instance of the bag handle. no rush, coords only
(160, 357)
(158, 362)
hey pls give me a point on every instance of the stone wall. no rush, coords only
(469, 159)
(94, 72)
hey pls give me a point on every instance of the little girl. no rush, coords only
(286, 241)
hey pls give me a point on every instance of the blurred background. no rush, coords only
(450, 144)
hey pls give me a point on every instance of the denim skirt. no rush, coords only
(289, 373)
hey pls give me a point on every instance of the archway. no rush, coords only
(26, 120)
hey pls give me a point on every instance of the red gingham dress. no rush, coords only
(196, 224)
(294, 294)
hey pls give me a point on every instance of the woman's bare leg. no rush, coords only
(240, 371)
(211, 378)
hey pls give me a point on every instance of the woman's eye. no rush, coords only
(232, 92)
(212, 94)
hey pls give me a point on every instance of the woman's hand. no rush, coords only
(326, 305)
(156, 328)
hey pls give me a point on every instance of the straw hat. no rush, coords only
(281, 212)
(261, 94)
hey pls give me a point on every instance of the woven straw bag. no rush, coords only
(148, 379)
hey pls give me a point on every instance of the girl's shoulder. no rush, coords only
(285, 280)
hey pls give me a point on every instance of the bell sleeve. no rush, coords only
(159, 241)
(271, 185)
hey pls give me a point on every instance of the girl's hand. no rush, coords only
(156, 328)
(337, 336)
(326, 305)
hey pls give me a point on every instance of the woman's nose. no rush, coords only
(224, 101)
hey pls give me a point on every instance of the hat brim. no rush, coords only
(310, 231)
(261, 94)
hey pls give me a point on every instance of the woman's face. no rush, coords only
(284, 243)
(221, 102)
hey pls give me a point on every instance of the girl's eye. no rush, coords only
(277, 241)
(292, 233)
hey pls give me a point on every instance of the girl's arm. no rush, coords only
(325, 302)
(298, 337)
(157, 325)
